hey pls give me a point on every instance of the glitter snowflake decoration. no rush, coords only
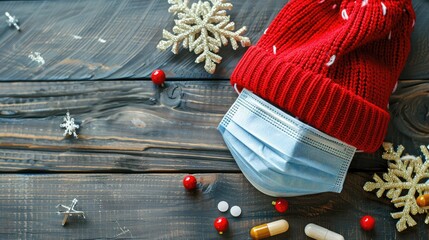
(69, 125)
(203, 28)
(405, 180)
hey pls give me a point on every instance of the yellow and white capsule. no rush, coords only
(269, 229)
(320, 233)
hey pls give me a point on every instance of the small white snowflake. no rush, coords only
(12, 20)
(37, 57)
(69, 125)
(406, 174)
(203, 28)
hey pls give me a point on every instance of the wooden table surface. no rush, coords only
(137, 141)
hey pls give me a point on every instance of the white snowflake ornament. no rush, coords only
(69, 125)
(405, 181)
(203, 28)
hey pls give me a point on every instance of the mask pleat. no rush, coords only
(280, 155)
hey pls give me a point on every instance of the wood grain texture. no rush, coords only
(409, 110)
(125, 125)
(156, 134)
(417, 66)
(134, 126)
(70, 37)
(155, 206)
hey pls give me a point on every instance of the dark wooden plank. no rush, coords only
(417, 66)
(67, 33)
(409, 108)
(134, 126)
(125, 125)
(155, 206)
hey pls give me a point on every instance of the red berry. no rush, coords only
(281, 205)
(367, 223)
(221, 224)
(158, 77)
(190, 182)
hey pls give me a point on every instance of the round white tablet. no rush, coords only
(222, 206)
(235, 211)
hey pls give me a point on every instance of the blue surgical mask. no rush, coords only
(280, 155)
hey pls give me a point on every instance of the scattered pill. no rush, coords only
(269, 229)
(423, 200)
(222, 206)
(235, 211)
(367, 223)
(320, 233)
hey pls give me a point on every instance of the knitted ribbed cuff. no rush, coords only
(314, 99)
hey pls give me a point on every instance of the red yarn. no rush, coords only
(333, 68)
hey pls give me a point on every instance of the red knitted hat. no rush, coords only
(333, 64)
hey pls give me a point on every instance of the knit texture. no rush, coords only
(333, 64)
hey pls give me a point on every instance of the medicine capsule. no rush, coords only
(320, 233)
(269, 229)
(423, 200)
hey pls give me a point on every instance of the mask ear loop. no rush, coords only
(236, 89)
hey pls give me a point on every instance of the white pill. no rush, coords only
(320, 233)
(222, 206)
(235, 211)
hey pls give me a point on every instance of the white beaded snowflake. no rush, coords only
(203, 28)
(69, 125)
(405, 181)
